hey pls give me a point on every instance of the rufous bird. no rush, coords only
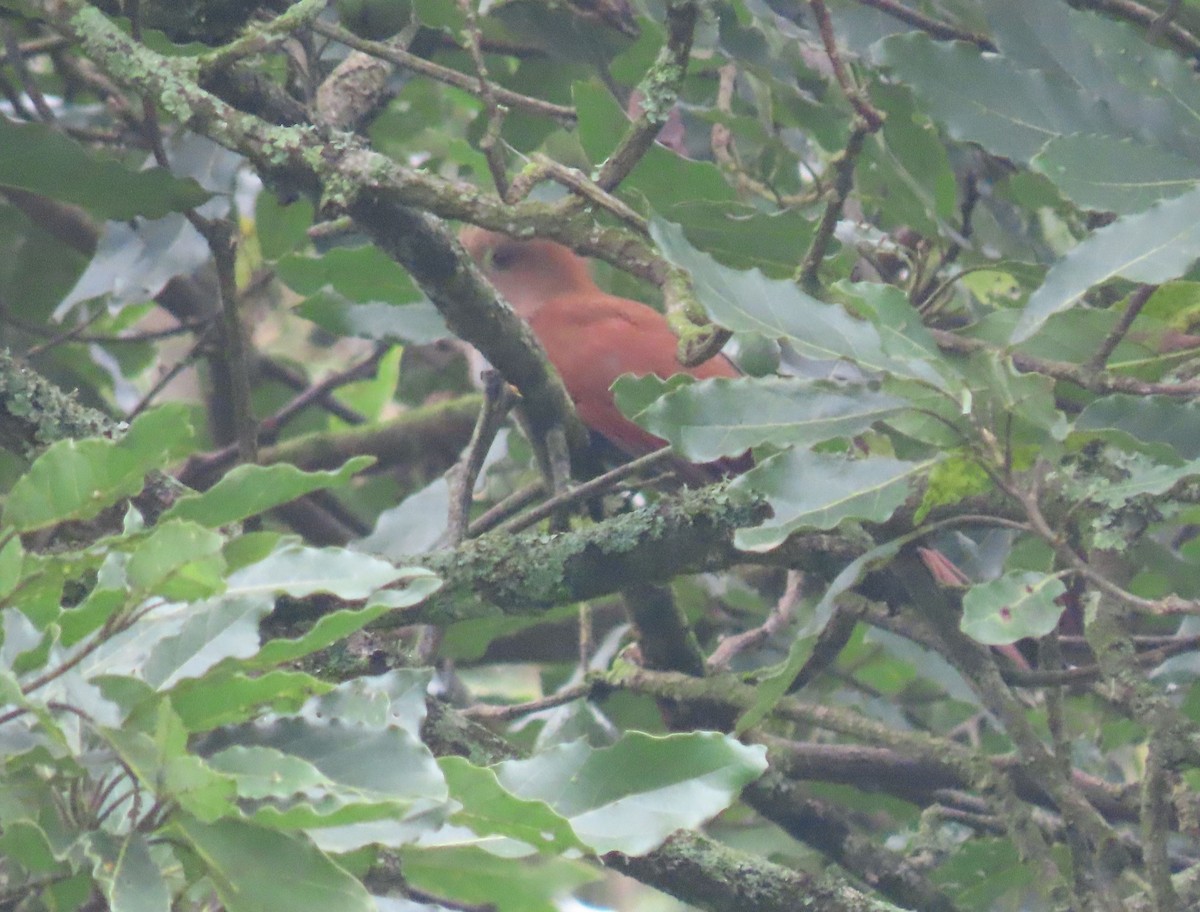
(591, 337)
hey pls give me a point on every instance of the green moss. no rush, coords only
(34, 413)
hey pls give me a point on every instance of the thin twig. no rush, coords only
(586, 636)
(1143, 15)
(558, 458)
(320, 394)
(725, 151)
(868, 120)
(1159, 26)
(843, 167)
(1137, 301)
(45, 45)
(402, 58)
(167, 376)
(1028, 499)
(871, 116)
(943, 31)
(71, 335)
(264, 35)
(498, 400)
(28, 83)
(150, 127)
(584, 491)
(779, 617)
(514, 503)
(543, 167)
(200, 466)
(925, 297)
(1085, 674)
(658, 90)
(317, 393)
(78, 337)
(490, 142)
(1103, 382)
(485, 713)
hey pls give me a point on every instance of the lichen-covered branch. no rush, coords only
(658, 91)
(376, 190)
(689, 533)
(35, 413)
(713, 876)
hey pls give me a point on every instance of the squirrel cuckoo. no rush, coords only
(591, 337)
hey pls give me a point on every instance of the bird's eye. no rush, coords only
(503, 258)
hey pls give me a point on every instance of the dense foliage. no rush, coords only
(936, 650)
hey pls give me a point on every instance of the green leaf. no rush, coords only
(489, 810)
(714, 418)
(744, 237)
(631, 796)
(750, 302)
(177, 641)
(43, 160)
(984, 871)
(257, 869)
(905, 167)
(299, 571)
(232, 697)
(372, 397)
(1140, 476)
(950, 481)
(136, 883)
(170, 547)
(199, 789)
(212, 632)
(902, 331)
(159, 759)
(987, 99)
(818, 491)
(91, 614)
(249, 490)
(381, 701)
(1114, 175)
(774, 684)
(1017, 605)
(134, 261)
(264, 772)
(1146, 422)
(1148, 92)
(338, 625)
(419, 322)
(1151, 246)
(281, 229)
(360, 274)
(1020, 407)
(666, 179)
(24, 842)
(76, 479)
(475, 878)
(373, 763)
(439, 15)
(694, 194)
(12, 558)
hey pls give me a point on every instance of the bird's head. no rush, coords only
(528, 273)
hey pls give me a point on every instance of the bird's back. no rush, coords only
(592, 342)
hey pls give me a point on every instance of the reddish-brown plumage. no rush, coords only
(591, 337)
